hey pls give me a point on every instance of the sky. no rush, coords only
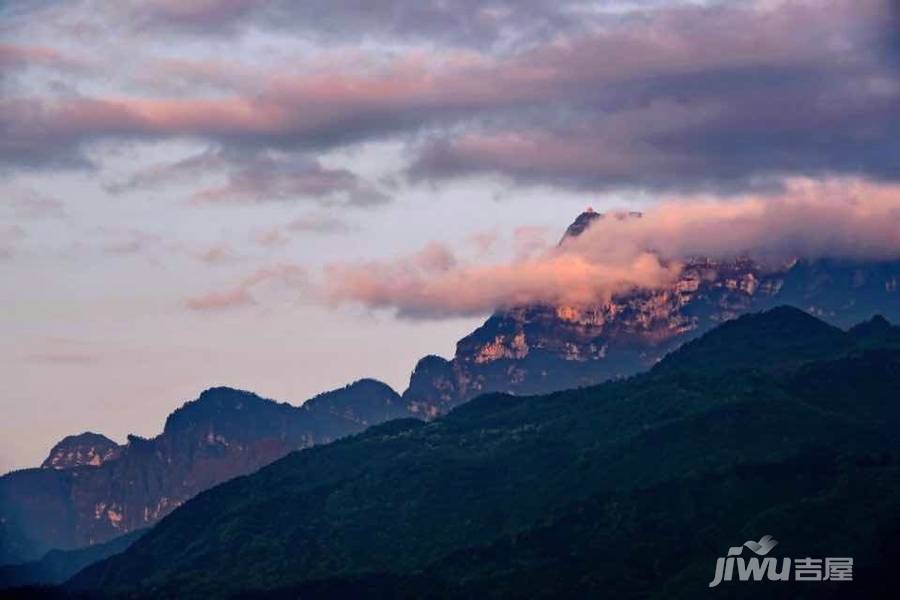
(285, 197)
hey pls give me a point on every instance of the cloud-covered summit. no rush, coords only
(810, 220)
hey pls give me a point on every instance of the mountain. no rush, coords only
(83, 449)
(777, 339)
(354, 403)
(628, 489)
(580, 224)
(538, 349)
(90, 490)
(57, 566)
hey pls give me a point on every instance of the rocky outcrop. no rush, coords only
(84, 449)
(538, 349)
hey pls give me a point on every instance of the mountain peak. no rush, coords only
(365, 401)
(215, 404)
(876, 330)
(581, 223)
(876, 325)
(758, 340)
(585, 219)
(86, 448)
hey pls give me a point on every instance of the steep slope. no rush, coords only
(777, 339)
(90, 490)
(539, 349)
(407, 502)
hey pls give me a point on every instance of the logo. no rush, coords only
(753, 568)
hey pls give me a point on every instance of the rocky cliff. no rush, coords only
(537, 349)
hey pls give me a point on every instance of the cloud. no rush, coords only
(318, 223)
(667, 96)
(194, 15)
(125, 241)
(271, 237)
(217, 254)
(556, 278)
(65, 358)
(254, 176)
(837, 219)
(483, 242)
(10, 236)
(459, 22)
(242, 293)
(25, 203)
(12, 55)
(724, 98)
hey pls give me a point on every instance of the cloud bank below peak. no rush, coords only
(851, 220)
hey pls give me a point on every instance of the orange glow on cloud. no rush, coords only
(837, 219)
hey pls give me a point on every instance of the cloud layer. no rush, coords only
(666, 96)
(242, 293)
(839, 219)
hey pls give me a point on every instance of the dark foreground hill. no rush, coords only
(774, 424)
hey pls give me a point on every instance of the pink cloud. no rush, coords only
(272, 237)
(328, 98)
(837, 219)
(242, 293)
(558, 278)
(10, 236)
(683, 97)
(484, 242)
(217, 254)
(843, 218)
(13, 55)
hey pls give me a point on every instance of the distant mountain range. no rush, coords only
(773, 423)
(90, 490)
(57, 566)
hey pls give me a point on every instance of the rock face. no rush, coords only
(85, 449)
(90, 490)
(538, 349)
(581, 223)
